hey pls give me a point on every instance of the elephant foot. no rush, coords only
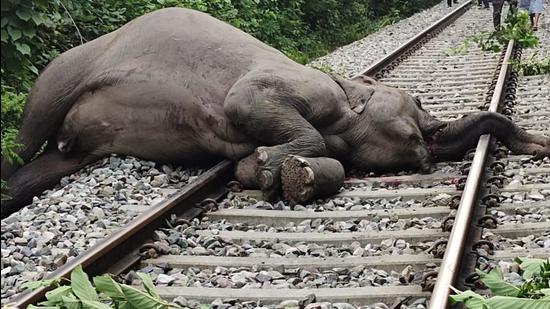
(304, 179)
(268, 171)
(245, 172)
(9, 207)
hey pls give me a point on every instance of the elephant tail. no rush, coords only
(53, 94)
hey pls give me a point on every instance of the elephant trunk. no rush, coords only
(452, 142)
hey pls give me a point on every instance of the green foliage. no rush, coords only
(460, 49)
(532, 65)
(534, 293)
(323, 68)
(36, 31)
(516, 27)
(20, 22)
(106, 294)
(12, 108)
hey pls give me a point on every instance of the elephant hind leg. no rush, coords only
(41, 174)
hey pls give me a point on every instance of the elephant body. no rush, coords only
(179, 86)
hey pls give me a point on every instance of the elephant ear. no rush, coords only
(358, 90)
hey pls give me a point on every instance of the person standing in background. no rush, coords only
(450, 2)
(535, 9)
(485, 3)
(524, 5)
(497, 10)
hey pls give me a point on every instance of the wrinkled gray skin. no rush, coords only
(179, 86)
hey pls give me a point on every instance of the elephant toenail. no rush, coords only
(309, 177)
(305, 194)
(266, 179)
(303, 162)
(262, 157)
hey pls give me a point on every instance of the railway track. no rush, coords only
(379, 242)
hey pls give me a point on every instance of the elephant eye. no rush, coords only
(414, 138)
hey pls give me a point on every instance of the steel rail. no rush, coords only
(451, 260)
(102, 258)
(398, 52)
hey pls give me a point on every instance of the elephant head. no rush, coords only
(390, 131)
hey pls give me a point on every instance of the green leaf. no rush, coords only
(529, 266)
(5, 36)
(81, 285)
(471, 299)
(41, 283)
(24, 13)
(148, 284)
(29, 32)
(90, 304)
(23, 48)
(505, 302)
(125, 305)
(56, 295)
(42, 307)
(37, 19)
(106, 285)
(494, 281)
(140, 299)
(15, 34)
(71, 302)
(48, 304)
(33, 69)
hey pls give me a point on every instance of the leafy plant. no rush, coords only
(516, 27)
(460, 49)
(36, 31)
(12, 108)
(323, 68)
(104, 293)
(534, 293)
(532, 65)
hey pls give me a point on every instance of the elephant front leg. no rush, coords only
(304, 179)
(279, 128)
(269, 160)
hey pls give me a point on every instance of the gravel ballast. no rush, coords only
(80, 211)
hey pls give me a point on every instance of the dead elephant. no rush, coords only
(179, 86)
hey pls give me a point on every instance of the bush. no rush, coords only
(36, 31)
(533, 293)
(12, 108)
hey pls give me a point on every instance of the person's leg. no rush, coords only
(449, 3)
(497, 9)
(536, 21)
